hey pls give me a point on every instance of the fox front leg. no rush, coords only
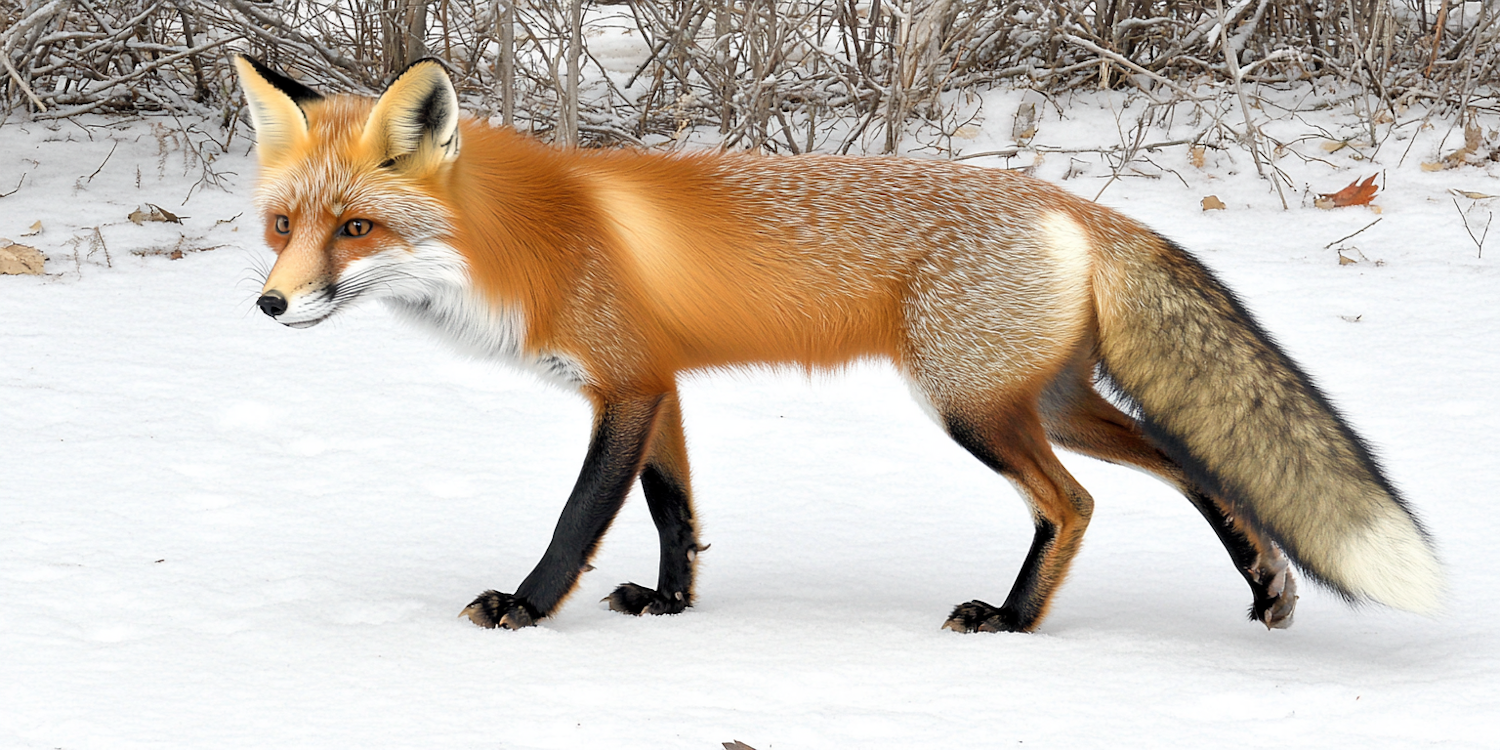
(666, 484)
(622, 435)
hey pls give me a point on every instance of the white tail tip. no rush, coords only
(1391, 563)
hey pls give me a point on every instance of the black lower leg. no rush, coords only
(619, 443)
(1266, 572)
(1027, 602)
(672, 511)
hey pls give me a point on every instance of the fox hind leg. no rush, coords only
(666, 485)
(1077, 418)
(1258, 559)
(1011, 441)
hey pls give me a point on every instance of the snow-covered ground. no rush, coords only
(219, 532)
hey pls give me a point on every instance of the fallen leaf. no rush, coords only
(1473, 136)
(1023, 127)
(1473, 140)
(35, 229)
(17, 259)
(157, 213)
(1196, 156)
(737, 745)
(1345, 260)
(1212, 203)
(1351, 318)
(1357, 193)
(1473, 195)
(1333, 146)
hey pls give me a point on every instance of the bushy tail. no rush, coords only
(1218, 396)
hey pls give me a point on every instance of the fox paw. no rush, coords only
(493, 609)
(634, 599)
(979, 617)
(1275, 596)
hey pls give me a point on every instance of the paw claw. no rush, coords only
(493, 609)
(634, 599)
(1275, 595)
(979, 617)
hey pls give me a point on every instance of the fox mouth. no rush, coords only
(313, 306)
(275, 304)
(307, 323)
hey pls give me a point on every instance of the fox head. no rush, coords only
(351, 188)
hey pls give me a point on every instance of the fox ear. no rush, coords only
(415, 122)
(275, 108)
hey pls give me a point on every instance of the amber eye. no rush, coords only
(283, 225)
(357, 227)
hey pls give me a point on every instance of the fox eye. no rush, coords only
(283, 225)
(357, 227)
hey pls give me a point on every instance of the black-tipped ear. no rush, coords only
(294, 91)
(416, 119)
(275, 109)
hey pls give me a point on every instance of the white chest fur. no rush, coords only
(448, 304)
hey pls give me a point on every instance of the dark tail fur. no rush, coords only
(1249, 427)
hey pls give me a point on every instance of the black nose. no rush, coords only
(272, 303)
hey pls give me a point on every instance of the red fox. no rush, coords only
(1000, 298)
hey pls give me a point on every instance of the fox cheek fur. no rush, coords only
(1005, 302)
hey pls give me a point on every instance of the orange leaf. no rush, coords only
(1356, 194)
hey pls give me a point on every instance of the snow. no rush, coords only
(220, 532)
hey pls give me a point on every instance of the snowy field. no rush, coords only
(220, 532)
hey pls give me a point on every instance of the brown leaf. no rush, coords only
(1470, 194)
(1357, 193)
(1345, 260)
(165, 214)
(737, 745)
(16, 259)
(1023, 127)
(157, 213)
(1212, 203)
(35, 229)
(1473, 141)
(1195, 156)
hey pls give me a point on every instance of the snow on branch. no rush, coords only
(784, 75)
